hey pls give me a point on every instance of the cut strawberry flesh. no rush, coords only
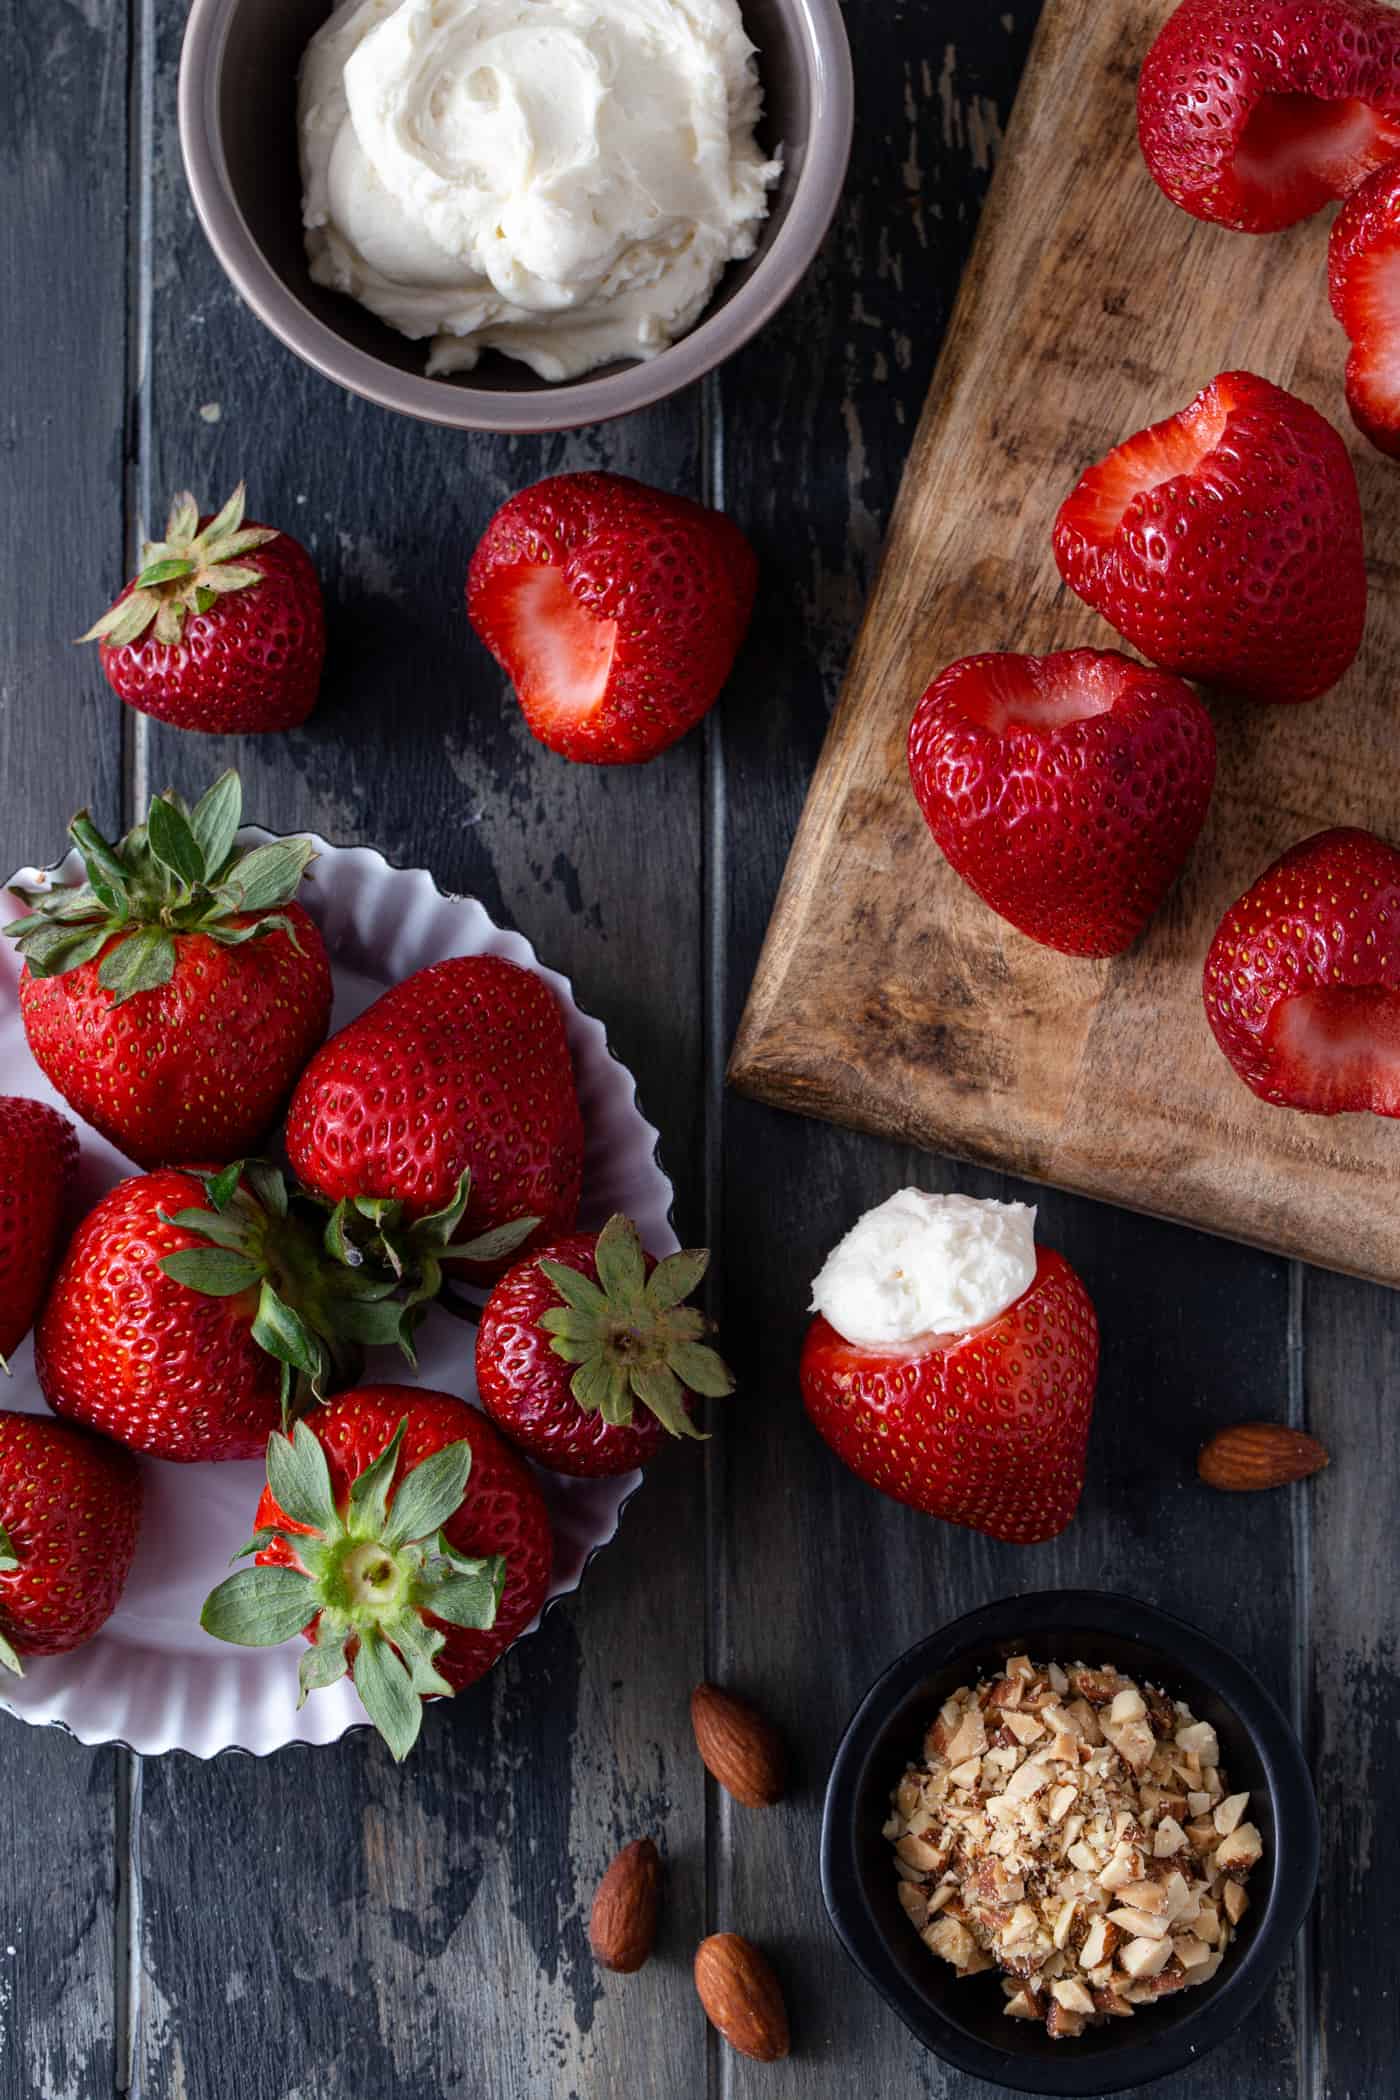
(1298, 151)
(1045, 693)
(560, 654)
(1339, 1049)
(1144, 462)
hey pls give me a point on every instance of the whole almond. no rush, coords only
(622, 1923)
(742, 1750)
(742, 1996)
(1259, 1455)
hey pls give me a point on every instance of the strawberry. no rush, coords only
(586, 1357)
(70, 1509)
(174, 996)
(1066, 790)
(615, 610)
(1363, 271)
(1302, 981)
(38, 1163)
(222, 629)
(449, 1101)
(1225, 542)
(192, 1310)
(431, 1552)
(986, 1428)
(1256, 113)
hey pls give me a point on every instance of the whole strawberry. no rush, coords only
(615, 610)
(192, 1310)
(1255, 113)
(986, 1428)
(460, 1071)
(430, 1552)
(70, 1510)
(1302, 982)
(38, 1162)
(1363, 273)
(586, 1356)
(1225, 542)
(223, 627)
(1066, 790)
(174, 996)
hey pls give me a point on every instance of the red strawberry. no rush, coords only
(615, 610)
(434, 1551)
(1255, 113)
(223, 628)
(586, 1356)
(70, 1509)
(1225, 542)
(38, 1161)
(1302, 982)
(1066, 790)
(987, 1428)
(1363, 269)
(461, 1070)
(185, 1303)
(174, 997)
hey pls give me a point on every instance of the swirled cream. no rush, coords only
(561, 180)
(920, 1265)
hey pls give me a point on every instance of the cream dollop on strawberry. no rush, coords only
(921, 1264)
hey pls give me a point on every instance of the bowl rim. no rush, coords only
(1193, 2031)
(569, 404)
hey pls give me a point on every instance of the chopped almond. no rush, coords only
(1144, 1957)
(1239, 1850)
(1228, 1814)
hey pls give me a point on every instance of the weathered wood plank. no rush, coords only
(63, 352)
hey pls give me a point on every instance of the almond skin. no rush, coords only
(622, 1923)
(742, 1750)
(1254, 1455)
(742, 1997)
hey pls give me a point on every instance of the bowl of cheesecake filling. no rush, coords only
(515, 215)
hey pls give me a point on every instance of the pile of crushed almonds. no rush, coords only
(1074, 1830)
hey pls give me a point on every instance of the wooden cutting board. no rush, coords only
(887, 996)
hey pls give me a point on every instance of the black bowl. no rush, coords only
(963, 2021)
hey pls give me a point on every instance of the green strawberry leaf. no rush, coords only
(661, 1392)
(323, 1664)
(579, 1291)
(222, 1231)
(214, 821)
(215, 1272)
(143, 962)
(269, 875)
(428, 1496)
(493, 1245)
(255, 1545)
(618, 1255)
(673, 1279)
(9, 1660)
(100, 858)
(386, 1688)
(469, 1596)
(259, 1607)
(174, 843)
(369, 1494)
(221, 1188)
(702, 1369)
(9, 1559)
(418, 1645)
(268, 1185)
(168, 571)
(300, 1479)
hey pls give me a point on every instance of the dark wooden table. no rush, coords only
(323, 1926)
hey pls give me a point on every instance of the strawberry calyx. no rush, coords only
(313, 1316)
(182, 871)
(9, 1565)
(630, 1336)
(369, 1575)
(186, 572)
(374, 1230)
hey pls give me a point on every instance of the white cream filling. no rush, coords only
(921, 1265)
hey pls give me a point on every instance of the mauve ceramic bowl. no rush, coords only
(961, 2020)
(238, 75)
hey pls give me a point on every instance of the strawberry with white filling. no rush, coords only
(1256, 113)
(1363, 273)
(1302, 982)
(1225, 542)
(616, 611)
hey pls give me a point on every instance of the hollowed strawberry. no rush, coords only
(1363, 269)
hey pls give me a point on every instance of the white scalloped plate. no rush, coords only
(152, 1679)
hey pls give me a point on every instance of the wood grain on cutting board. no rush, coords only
(888, 996)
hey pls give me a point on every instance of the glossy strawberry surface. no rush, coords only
(615, 609)
(199, 1068)
(1255, 113)
(987, 1429)
(462, 1067)
(122, 1348)
(1363, 274)
(524, 1385)
(251, 663)
(1302, 981)
(38, 1161)
(1066, 790)
(70, 1511)
(503, 1511)
(1225, 542)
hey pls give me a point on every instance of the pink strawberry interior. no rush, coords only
(1037, 693)
(1297, 151)
(1340, 1049)
(1153, 456)
(560, 654)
